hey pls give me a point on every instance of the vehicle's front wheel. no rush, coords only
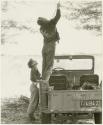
(45, 118)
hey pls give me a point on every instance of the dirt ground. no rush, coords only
(14, 111)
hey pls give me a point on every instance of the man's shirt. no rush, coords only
(49, 31)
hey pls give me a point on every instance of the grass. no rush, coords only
(14, 111)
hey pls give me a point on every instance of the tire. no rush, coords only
(45, 118)
(98, 118)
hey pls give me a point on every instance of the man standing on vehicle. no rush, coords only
(50, 34)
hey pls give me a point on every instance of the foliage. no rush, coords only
(87, 15)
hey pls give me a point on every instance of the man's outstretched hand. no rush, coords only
(58, 5)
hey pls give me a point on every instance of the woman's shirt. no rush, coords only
(34, 75)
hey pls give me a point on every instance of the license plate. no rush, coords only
(90, 103)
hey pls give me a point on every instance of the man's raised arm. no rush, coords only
(58, 15)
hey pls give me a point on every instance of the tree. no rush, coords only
(87, 15)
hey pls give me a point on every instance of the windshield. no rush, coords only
(73, 64)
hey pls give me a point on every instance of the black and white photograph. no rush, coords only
(51, 62)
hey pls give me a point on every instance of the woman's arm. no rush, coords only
(38, 75)
(33, 76)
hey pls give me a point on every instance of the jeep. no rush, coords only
(73, 91)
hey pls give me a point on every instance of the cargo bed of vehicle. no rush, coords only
(74, 101)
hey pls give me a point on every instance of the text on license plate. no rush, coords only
(90, 103)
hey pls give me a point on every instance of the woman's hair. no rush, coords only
(31, 62)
